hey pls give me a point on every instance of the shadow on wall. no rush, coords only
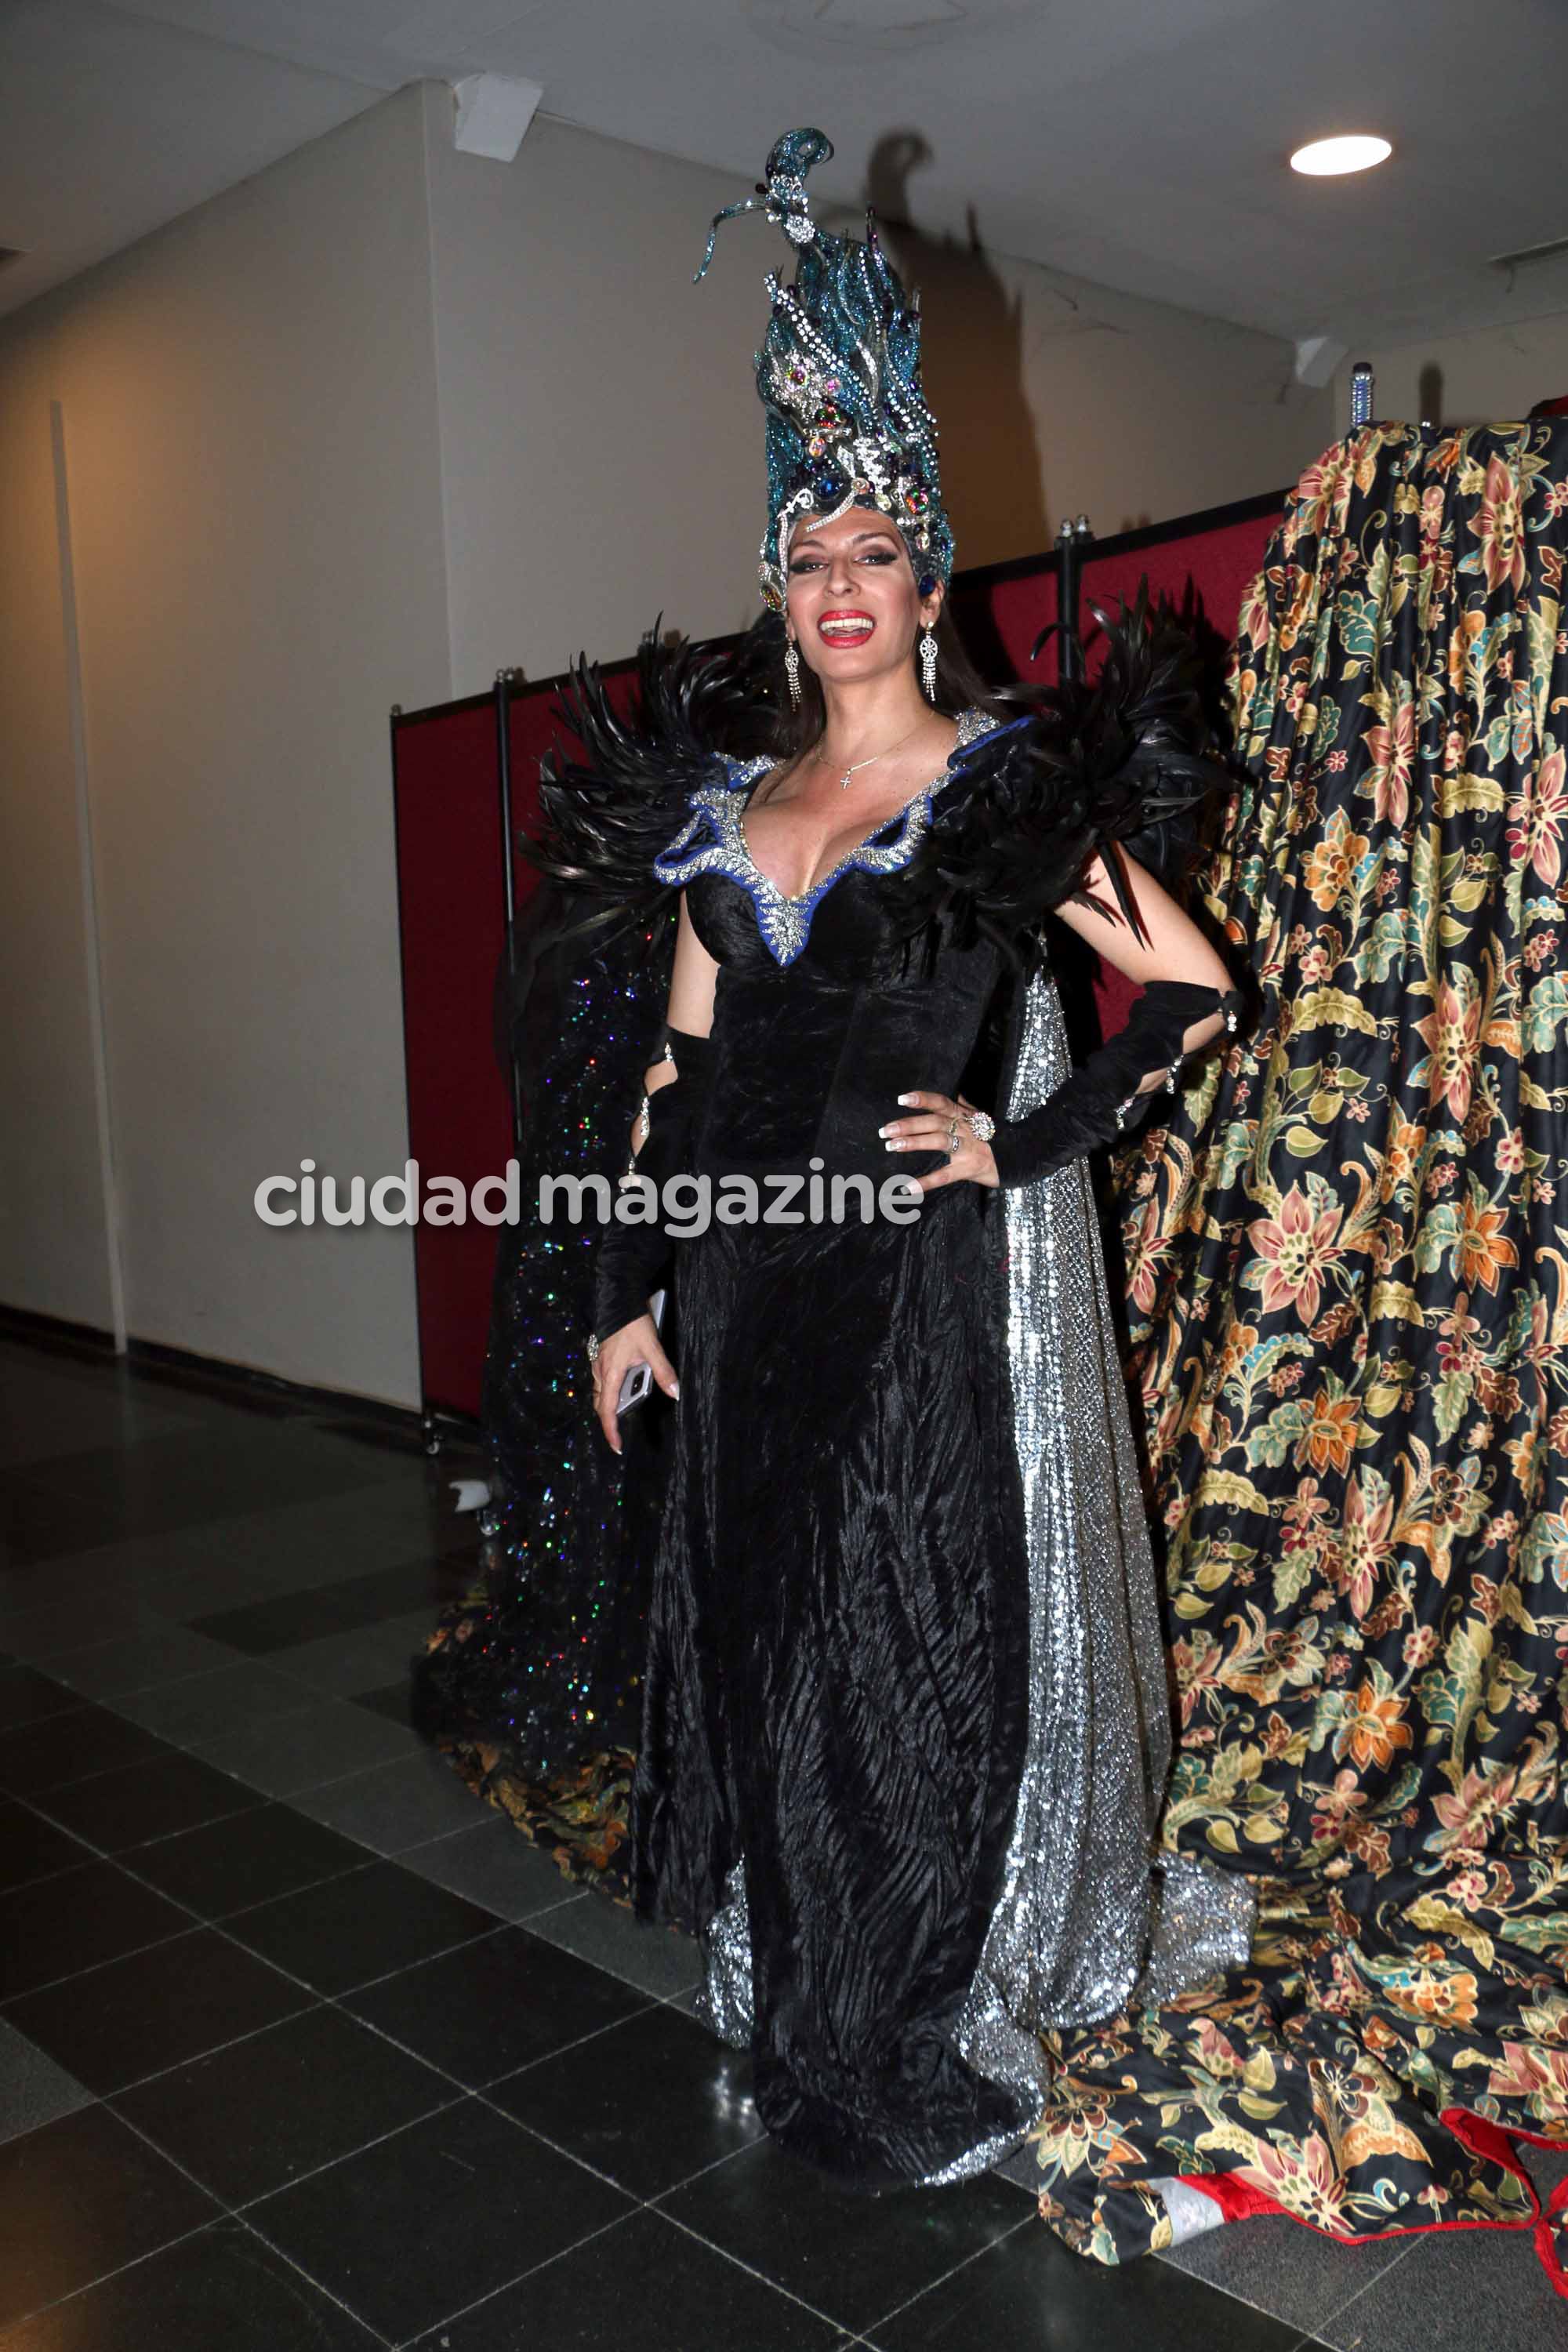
(993, 476)
(1429, 398)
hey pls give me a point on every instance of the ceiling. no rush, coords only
(1139, 142)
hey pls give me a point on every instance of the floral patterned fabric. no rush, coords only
(577, 1815)
(1348, 1262)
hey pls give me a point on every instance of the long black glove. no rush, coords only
(1099, 1103)
(632, 1258)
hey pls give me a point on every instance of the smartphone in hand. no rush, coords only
(638, 1382)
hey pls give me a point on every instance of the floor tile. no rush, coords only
(649, 2103)
(27, 1696)
(79, 2197)
(193, 1572)
(490, 2006)
(1451, 2292)
(325, 1741)
(341, 1663)
(209, 1707)
(33, 2089)
(350, 1929)
(1030, 2292)
(491, 1862)
(250, 1858)
(250, 2118)
(155, 2008)
(392, 1699)
(1021, 2166)
(40, 1522)
(37, 1624)
(427, 2222)
(836, 2251)
(120, 1810)
(71, 1747)
(1546, 2165)
(605, 2293)
(182, 1478)
(1293, 2272)
(154, 1654)
(222, 2288)
(658, 1959)
(312, 1612)
(48, 1412)
(77, 1919)
(394, 1805)
(31, 1847)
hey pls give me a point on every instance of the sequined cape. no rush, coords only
(531, 1681)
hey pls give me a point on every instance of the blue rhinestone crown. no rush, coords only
(839, 379)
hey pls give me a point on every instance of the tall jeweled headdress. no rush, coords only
(839, 379)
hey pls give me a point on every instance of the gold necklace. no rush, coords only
(855, 765)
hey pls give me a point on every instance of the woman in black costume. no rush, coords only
(904, 1728)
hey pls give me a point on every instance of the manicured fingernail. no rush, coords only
(906, 1100)
(894, 1143)
(884, 1130)
(675, 1388)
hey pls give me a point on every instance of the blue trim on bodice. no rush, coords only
(713, 841)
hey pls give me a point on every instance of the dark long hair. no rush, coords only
(793, 731)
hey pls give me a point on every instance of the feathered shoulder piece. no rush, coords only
(1083, 768)
(605, 818)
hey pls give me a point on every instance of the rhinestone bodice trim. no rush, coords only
(713, 841)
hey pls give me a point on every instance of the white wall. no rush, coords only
(600, 433)
(1056, 397)
(54, 1244)
(249, 405)
(600, 447)
(1490, 376)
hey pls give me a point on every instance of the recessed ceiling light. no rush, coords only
(1324, 157)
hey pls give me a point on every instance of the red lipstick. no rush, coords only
(845, 628)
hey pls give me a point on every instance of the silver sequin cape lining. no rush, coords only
(1089, 1917)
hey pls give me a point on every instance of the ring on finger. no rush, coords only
(952, 1135)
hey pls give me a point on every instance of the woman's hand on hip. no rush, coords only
(635, 1343)
(939, 1123)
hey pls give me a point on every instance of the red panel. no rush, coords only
(1213, 568)
(1205, 577)
(1020, 609)
(460, 1118)
(447, 796)
(537, 727)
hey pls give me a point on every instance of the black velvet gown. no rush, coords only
(836, 1700)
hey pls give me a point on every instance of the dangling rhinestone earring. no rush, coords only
(928, 665)
(792, 669)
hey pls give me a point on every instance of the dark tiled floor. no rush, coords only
(153, 2008)
(77, 1919)
(301, 2050)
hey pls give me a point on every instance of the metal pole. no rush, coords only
(1073, 540)
(505, 680)
(429, 1428)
